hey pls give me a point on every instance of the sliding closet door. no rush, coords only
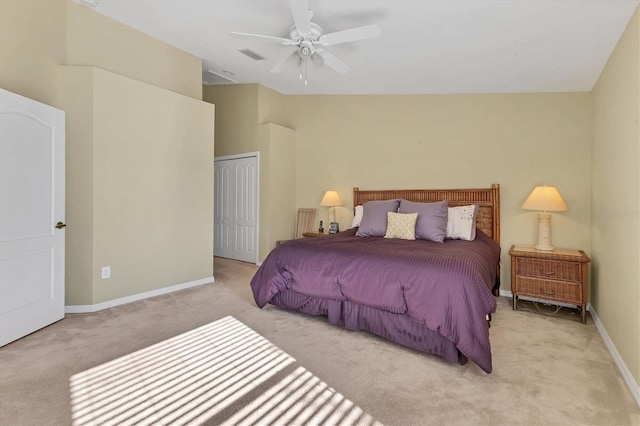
(236, 208)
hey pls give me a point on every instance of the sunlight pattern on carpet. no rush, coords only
(222, 372)
(301, 399)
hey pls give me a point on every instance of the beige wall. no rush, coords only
(32, 44)
(38, 35)
(139, 145)
(153, 187)
(93, 39)
(616, 197)
(248, 118)
(451, 141)
(272, 107)
(426, 141)
(236, 118)
(76, 84)
(246, 106)
(140, 191)
(277, 186)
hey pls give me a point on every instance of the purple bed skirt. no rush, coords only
(397, 328)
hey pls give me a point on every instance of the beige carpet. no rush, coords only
(220, 373)
(547, 370)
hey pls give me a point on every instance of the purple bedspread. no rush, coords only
(446, 286)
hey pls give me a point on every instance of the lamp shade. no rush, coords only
(546, 199)
(331, 199)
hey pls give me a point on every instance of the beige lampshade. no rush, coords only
(546, 199)
(331, 199)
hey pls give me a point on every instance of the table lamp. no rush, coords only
(545, 199)
(331, 199)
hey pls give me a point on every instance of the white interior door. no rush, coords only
(32, 137)
(236, 208)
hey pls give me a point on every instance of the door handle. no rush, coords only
(60, 225)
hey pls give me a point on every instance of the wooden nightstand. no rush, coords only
(314, 234)
(558, 275)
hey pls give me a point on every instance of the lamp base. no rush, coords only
(544, 232)
(332, 214)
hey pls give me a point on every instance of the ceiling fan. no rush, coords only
(307, 38)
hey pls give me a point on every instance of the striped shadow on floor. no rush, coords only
(220, 373)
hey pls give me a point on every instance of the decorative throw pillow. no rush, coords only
(358, 216)
(401, 225)
(374, 217)
(461, 224)
(432, 219)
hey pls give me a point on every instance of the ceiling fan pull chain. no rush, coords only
(300, 66)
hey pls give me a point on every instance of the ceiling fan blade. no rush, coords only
(284, 41)
(354, 34)
(332, 61)
(301, 18)
(316, 59)
(289, 60)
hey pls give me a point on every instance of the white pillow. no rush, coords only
(461, 223)
(401, 225)
(358, 217)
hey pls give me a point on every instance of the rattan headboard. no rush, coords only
(488, 200)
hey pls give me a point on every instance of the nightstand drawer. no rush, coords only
(560, 275)
(549, 269)
(560, 291)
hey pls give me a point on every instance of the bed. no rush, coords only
(433, 297)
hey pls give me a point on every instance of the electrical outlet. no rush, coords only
(106, 272)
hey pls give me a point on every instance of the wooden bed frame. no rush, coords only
(488, 200)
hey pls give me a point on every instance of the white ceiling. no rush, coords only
(428, 46)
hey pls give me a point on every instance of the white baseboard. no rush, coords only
(82, 309)
(628, 378)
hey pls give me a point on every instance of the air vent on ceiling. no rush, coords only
(210, 77)
(253, 55)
